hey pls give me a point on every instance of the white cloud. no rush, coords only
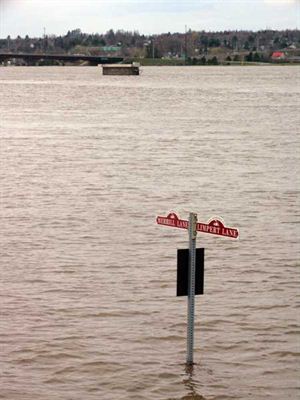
(282, 2)
(21, 17)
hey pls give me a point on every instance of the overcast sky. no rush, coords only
(30, 17)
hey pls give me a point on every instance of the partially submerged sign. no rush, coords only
(215, 226)
(190, 263)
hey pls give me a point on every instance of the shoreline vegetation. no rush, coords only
(166, 49)
(148, 62)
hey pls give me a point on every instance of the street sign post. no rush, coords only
(191, 288)
(215, 226)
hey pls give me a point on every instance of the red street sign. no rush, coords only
(214, 227)
(173, 221)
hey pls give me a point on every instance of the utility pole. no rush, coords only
(44, 38)
(185, 45)
(153, 48)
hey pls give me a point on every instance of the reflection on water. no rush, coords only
(88, 280)
(191, 385)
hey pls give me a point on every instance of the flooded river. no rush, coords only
(88, 279)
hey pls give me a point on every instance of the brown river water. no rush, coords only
(88, 279)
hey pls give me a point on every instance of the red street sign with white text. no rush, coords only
(214, 227)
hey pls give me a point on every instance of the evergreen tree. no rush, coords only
(256, 57)
(249, 57)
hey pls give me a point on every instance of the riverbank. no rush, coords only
(181, 62)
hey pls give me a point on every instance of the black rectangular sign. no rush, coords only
(183, 271)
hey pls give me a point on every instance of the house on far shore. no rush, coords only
(278, 56)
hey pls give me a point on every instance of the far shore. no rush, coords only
(160, 62)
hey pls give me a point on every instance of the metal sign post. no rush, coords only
(191, 288)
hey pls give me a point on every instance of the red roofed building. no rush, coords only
(278, 55)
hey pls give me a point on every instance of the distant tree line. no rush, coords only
(196, 47)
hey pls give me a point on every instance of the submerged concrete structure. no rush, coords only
(120, 69)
